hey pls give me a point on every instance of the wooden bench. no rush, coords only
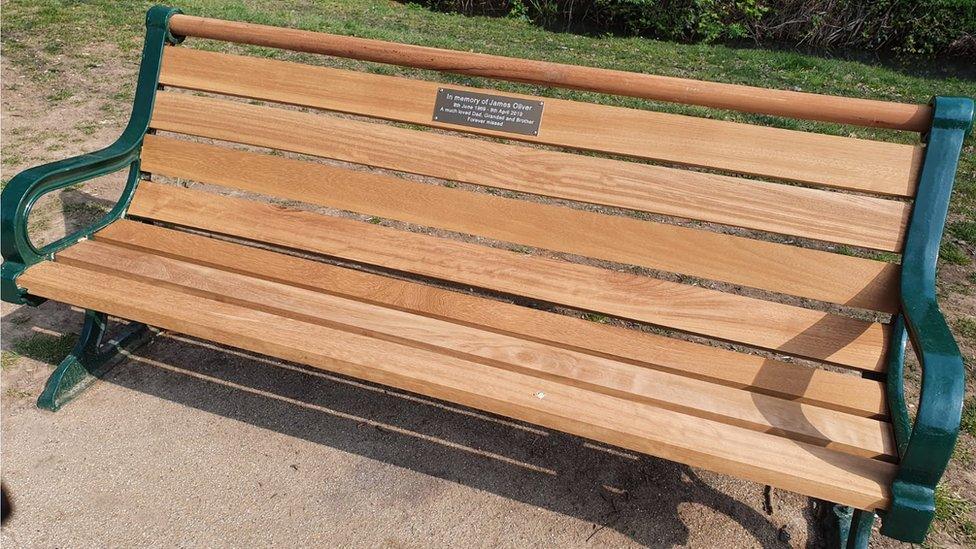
(743, 340)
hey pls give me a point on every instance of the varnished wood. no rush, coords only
(850, 394)
(791, 104)
(888, 168)
(812, 213)
(789, 329)
(836, 278)
(760, 150)
(809, 469)
(828, 428)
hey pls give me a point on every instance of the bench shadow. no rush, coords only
(802, 376)
(636, 495)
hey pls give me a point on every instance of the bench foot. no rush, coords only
(853, 527)
(89, 360)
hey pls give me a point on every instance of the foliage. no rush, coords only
(901, 26)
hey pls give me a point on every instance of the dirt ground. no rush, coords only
(187, 444)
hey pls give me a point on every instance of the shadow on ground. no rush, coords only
(638, 496)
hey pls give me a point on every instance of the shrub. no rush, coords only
(929, 27)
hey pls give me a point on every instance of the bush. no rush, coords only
(929, 27)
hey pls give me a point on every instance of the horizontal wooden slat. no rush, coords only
(848, 393)
(793, 104)
(792, 330)
(828, 428)
(836, 278)
(758, 150)
(808, 469)
(812, 213)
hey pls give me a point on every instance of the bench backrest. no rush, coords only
(633, 191)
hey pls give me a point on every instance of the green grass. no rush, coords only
(964, 230)
(8, 359)
(954, 511)
(966, 327)
(952, 254)
(596, 317)
(17, 393)
(45, 347)
(968, 423)
(59, 96)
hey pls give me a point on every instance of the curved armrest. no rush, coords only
(23, 191)
(926, 447)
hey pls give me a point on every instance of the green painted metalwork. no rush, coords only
(89, 360)
(895, 386)
(853, 527)
(932, 438)
(23, 191)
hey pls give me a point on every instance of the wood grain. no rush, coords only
(851, 394)
(808, 469)
(788, 329)
(813, 274)
(881, 167)
(812, 213)
(844, 110)
(828, 428)
(758, 150)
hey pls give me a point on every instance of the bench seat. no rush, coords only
(825, 437)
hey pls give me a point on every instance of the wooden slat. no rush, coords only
(828, 428)
(787, 154)
(836, 278)
(793, 330)
(450, 156)
(847, 393)
(793, 104)
(808, 469)
(847, 219)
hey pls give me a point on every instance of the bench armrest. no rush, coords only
(23, 191)
(926, 446)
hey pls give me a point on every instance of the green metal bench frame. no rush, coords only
(924, 446)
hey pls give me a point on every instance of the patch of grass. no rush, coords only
(60, 95)
(521, 249)
(966, 327)
(968, 423)
(12, 159)
(8, 359)
(953, 511)
(596, 317)
(86, 210)
(963, 455)
(38, 222)
(952, 254)
(45, 347)
(375, 220)
(964, 230)
(17, 393)
(87, 128)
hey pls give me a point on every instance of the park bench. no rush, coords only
(468, 244)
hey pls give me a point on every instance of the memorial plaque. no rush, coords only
(490, 112)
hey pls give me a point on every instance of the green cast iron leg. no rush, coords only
(853, 527)
(89, 360)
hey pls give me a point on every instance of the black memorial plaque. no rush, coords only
(490, 112)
